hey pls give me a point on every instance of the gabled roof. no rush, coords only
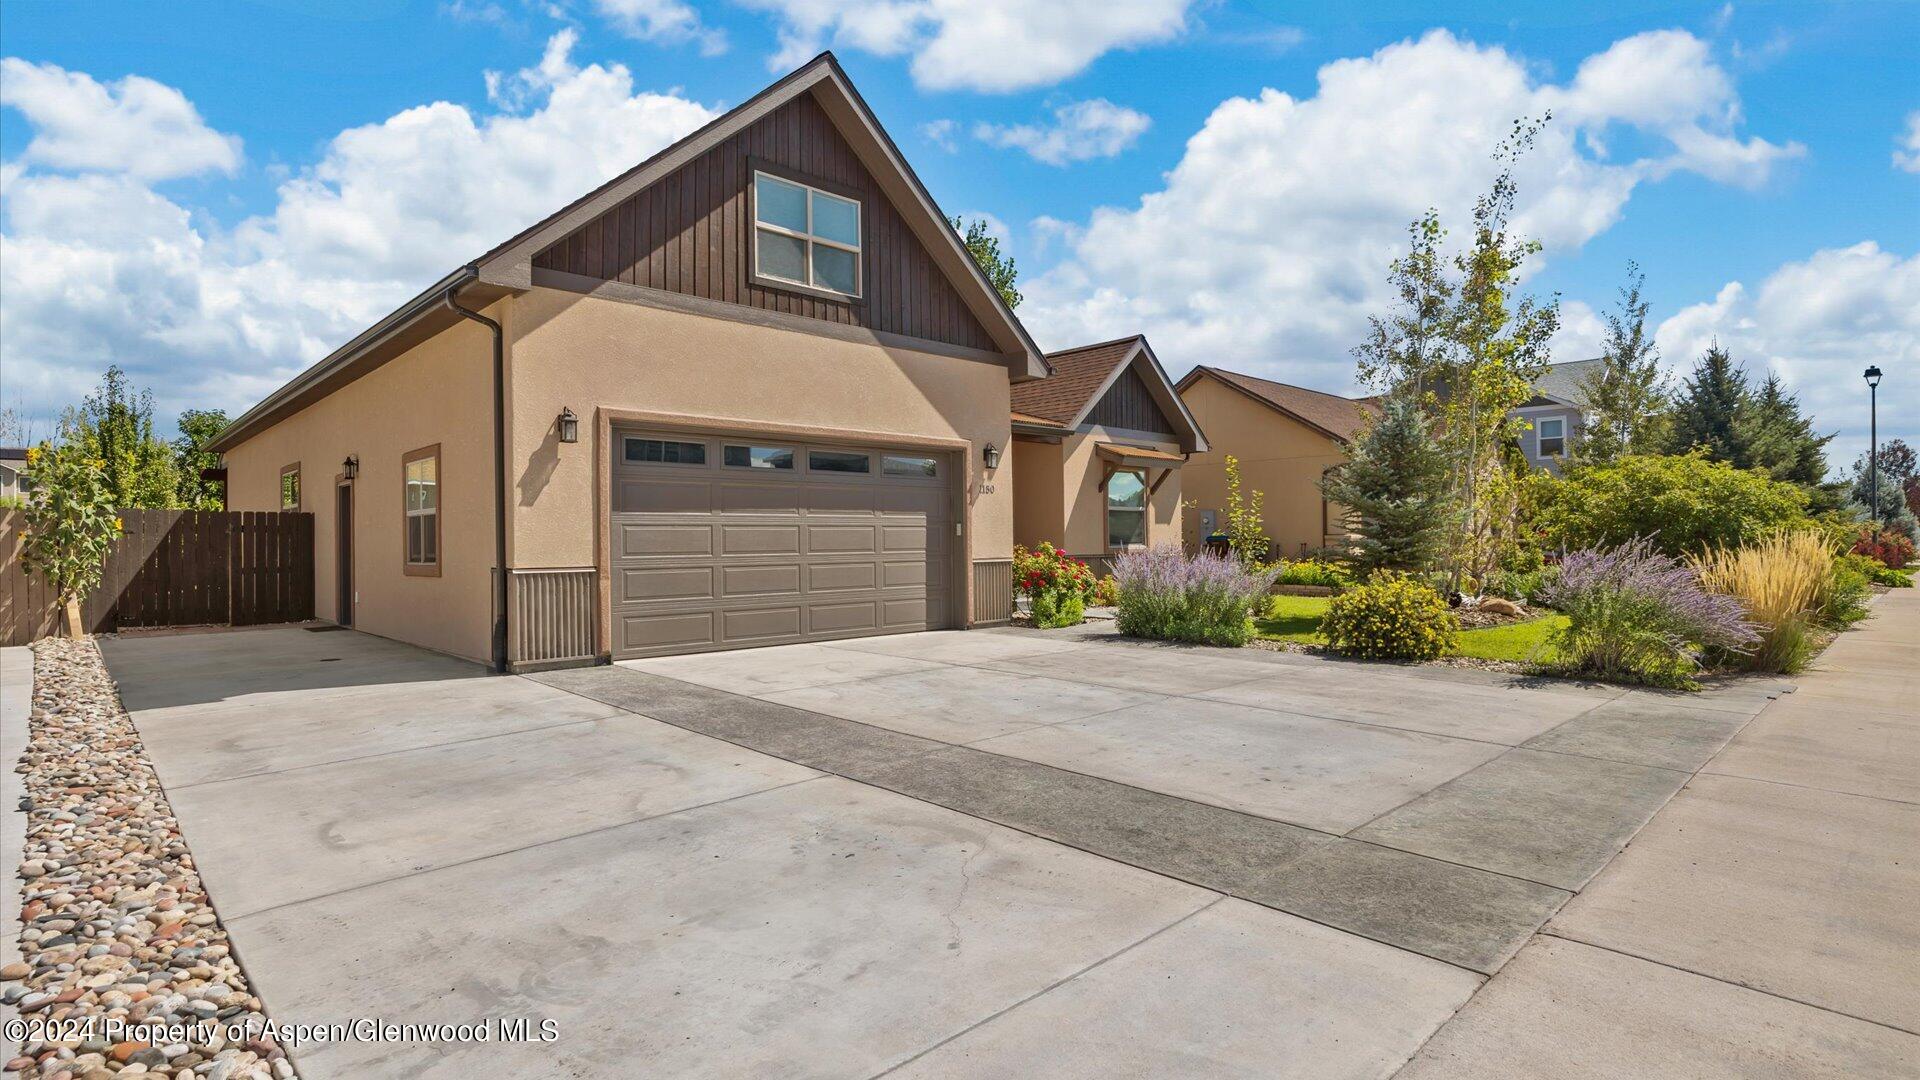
(1560, 383)
(1338, 418)
(1083, 375)
(509, 266)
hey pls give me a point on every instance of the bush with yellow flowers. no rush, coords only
(1391, 617)
(71, 523)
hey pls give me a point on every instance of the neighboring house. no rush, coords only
(1284, 437)
(1554, 413)
(747, 393)
(13, 462)
(1097, 452)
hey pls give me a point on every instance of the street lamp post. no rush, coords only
(1873, 443)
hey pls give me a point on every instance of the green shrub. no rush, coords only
(1058, 583)
(1684, 504)
(1390, 617)
(1106, 592)
(1323, 572)
(1637, 615)
(1522, 585)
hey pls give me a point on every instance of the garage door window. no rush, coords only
(758, 457)
(665, 452)
(900, 465)
(837, 461)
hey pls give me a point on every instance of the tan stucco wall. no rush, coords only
(438, 392)
(1278, 455)
(1060, 498)
(588, 354)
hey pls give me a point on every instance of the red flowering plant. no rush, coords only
(1058, 584)
(1892, 549)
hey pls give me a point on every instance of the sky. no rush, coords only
(216, 194)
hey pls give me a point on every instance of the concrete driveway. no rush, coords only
(990, 853)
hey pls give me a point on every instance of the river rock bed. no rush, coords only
(115, 924)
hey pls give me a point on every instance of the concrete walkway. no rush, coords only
(1765, 923)
(16, 701)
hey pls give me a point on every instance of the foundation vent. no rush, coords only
(553, 616)
(992, 592)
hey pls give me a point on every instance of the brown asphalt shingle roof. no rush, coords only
(1077, 375)
(1338, 416)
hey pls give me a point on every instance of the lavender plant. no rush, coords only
(1205, 598)
(1638, 615)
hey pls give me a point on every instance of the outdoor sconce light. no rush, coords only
(569, 426)
(350, 468)
(991, 455)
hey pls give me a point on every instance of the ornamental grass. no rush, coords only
(1785, 583)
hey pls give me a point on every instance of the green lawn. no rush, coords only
(1297, 618)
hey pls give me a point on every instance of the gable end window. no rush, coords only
(1553, 436)
(805, 236)
(290, 487)
(420, 473)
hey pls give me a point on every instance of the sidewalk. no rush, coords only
(16, 696)
(1763, 924)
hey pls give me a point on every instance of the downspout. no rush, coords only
(500, 468)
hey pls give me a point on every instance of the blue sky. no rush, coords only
(1228, 177)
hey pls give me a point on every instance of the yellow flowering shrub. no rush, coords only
(1391, 617)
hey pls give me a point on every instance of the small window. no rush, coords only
(1553, 436)
(805, 236)
(899, 465)
(290, 487)
(671, 453)
(1126, 511)
(757, 457)
(837, 461)
(420, 471)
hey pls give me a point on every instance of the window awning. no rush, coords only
(1140, 456)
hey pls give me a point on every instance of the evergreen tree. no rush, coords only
(1775, 437)
(1899, 470)
(1394, 484)
(197, 429)
(996, 265)
(1626, 400)
(1707, 415)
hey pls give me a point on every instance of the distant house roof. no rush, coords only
(13, 453)
(1082, 376)
(1560, 383)
(1338, 417)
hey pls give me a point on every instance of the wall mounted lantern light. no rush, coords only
(569, 426)
(991, 455)
(350, 468)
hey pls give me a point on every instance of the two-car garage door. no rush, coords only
(730, 541)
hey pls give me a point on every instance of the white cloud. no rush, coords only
(99, 268)
(134, 126)
(990, 45)
(1582, 335)
(942, 133)
(668, 22)
(1267, 246)
(1819, 323)
(1907, 158)
(1081, 131)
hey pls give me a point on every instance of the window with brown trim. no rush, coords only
(805, 236)
(290, 487)
(420, 479)
(1126, 510)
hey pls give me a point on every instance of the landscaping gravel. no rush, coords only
(116, 929)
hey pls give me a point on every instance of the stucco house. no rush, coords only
(1284, 437)
(13, 462)
(1553, 415)
(749, 392)
(1098, 449)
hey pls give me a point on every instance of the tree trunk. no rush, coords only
(76, 628)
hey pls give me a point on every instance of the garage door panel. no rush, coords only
(739, 581)
(760, 624)
(841, 577)
(760, 539)
(665, 583)
(640, 539)
(709, 557)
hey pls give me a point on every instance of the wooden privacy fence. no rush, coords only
(173, 568)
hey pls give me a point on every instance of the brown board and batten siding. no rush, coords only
(1129, 404)
(691, 234)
